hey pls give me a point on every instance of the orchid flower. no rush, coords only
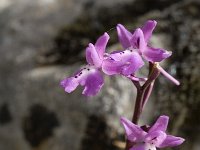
(89, 76)
(138, 41)
(155, 137)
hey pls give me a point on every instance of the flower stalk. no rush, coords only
(143, 93)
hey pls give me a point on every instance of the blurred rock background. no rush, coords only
(43, 41)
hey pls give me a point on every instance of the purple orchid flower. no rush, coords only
(155, 137)
(138, 41)
(89, 77)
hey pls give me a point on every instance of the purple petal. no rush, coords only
(92, 56)
(156, 137)
(155, 54)
(148, 29)
(125, 63)
(133, 132)
(93, 83)
(143, 146)
(137, 41)
(111, 67)
(69, 84)
(134, 62)
(88, 77)
(124, 36)
(138, 147)
(171, 141)
(160, 125)
(101, 43)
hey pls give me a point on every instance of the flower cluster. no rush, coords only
(126, 62)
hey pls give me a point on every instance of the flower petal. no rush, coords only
(155, 54)
(134, 62)
(143, 146)
(133, 132)
(148, 29)
(92, 56)
(125, 63)
(156, 137)
(89, 77)
(69, 84)
(101, 43)
(124, 36)
(93, 83)
(139, 147)
(160, 125)
(171, 141)
(137, 40)
(111, 67)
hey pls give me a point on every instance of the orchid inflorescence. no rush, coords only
(126, 62)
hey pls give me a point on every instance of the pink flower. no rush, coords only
(138, 41)
(90, 76)
(155, 137)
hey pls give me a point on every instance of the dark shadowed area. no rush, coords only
(43, 41)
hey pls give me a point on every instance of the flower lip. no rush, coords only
(89, 77)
